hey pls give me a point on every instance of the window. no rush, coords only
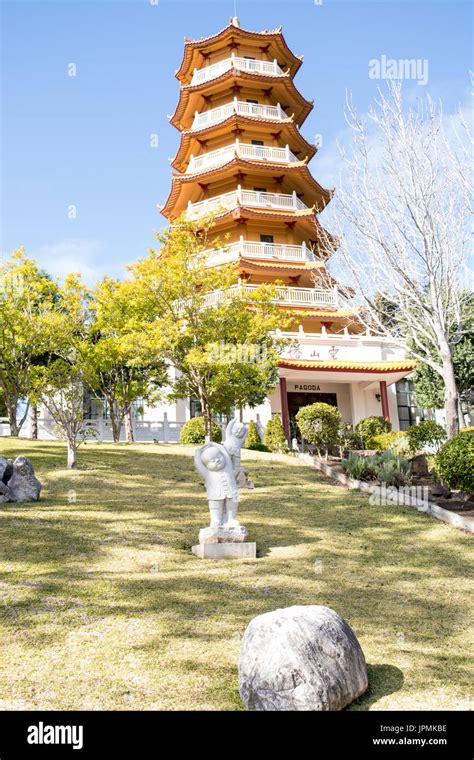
(407, 409)
(266, 238)
(259, 152)
(252, 101)
(260, 189)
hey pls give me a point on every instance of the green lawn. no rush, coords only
(103, 606)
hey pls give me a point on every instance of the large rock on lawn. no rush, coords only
(300, 658)
(19, 482)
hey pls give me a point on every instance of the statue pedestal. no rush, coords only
(242, 550)
(225, 542)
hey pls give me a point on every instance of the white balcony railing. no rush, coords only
(254, 198)
(256, 250)
(243, 150)
(287, 296)
(215, 115)
(269, 68)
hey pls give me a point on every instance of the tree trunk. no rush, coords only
(71, 454)
(451, 397)
(129, 426)
(207, 414)
(12, 405)
(34, 421)
(116, 422)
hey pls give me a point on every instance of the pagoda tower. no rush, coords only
(242, 157)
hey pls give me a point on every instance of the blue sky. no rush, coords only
(84, 141)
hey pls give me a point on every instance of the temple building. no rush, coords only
(243, 157)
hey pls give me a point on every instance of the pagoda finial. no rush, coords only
(234, 21)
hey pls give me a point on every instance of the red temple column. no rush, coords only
(384, 399)
(285, 419)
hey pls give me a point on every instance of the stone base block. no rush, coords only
(242, 550)
(224, 534)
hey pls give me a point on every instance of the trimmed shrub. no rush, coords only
(455, 462)
(192, 431)
(320, 425)
(426, 433)
(371, 426)
(274, 438)
(253, 440)
(395, 441)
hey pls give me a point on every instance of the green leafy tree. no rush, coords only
(3, 408)
(118, 368)
(205, 323)
(27, 297)
(319, 424)
(58, 381)
(428, 386)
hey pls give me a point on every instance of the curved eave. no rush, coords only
(179, 162)
(243, 212)
(348, 366)
(249, 264)
(319, 198)
(229, 32)
(305, 106)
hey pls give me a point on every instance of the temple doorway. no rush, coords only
(298, 400)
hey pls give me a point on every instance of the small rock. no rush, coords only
(300, 658)
(440, 490)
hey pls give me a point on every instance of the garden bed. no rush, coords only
(459, 512)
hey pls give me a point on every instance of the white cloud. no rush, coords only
(74, 255)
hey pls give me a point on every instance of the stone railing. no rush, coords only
(257, 250)
(215, 115)
(164, 430)
(269, 68)
(254, 198)
(288, 296)
(243, 150)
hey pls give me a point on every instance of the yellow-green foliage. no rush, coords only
(395, 441)
(193, 432)
(274, 438)
(371, 426)
(253, 440)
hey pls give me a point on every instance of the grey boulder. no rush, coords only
(300, 658)
(18, 481)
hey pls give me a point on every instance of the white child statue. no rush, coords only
(235, 435)
(213, 462)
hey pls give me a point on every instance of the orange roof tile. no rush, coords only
(278, 264)
(232, 29)
(336, 365)
(189, 134)
(285, 79)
